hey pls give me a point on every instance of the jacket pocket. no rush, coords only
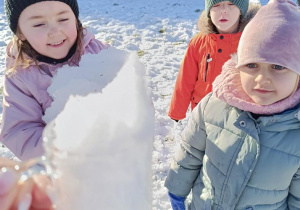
(206, 66)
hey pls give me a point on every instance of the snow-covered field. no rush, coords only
(158, 31)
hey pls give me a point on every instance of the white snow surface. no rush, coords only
(159, 32)
(93, 74)
(106, 161)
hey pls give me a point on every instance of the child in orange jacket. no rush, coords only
(220, 26)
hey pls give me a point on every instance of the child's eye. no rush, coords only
(216, 5)
(252, 65)
(278, 67)
(38, 25)
(63, 20)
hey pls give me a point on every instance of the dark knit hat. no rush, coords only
(241, 4)
(13, 9)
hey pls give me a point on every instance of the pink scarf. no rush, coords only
(227, 87)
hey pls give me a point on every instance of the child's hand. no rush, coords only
(17, 194)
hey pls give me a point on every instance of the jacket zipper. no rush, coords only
(207, 57)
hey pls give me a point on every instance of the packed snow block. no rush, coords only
(99, 147)
(94, 72)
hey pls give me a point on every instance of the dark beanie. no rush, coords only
(241, 4)
(13, 9)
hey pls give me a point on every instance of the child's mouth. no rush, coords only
(57, 44)
(262, 91)
(223, 20)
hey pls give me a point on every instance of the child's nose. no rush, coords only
(53, 30)
(223, 8)
(262, 78)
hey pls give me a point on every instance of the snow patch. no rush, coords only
(108, 148)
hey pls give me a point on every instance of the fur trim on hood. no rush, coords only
(228, 87)
(206, 26)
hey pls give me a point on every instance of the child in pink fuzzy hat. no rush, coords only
(271, 40)
(241, 147)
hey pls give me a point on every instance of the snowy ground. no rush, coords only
(158, 31)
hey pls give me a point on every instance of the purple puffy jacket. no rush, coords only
(25, 99)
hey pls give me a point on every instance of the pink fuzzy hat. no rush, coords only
(272, 36)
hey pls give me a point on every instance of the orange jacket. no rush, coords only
(202, 63)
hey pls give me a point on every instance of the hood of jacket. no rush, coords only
(206, 26)
(227, 87)
(12, 51)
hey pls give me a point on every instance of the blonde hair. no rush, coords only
(297, 85)
(26, 55)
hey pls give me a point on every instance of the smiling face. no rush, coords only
(267, 83)
(50, 27)
(225, 16)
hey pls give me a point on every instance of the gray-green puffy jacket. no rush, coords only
(232, 161)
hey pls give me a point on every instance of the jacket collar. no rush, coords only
(206, 27)
(227, 87)
(45, 59)
(232, 37)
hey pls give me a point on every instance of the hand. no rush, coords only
(177, 202)
(175, 120)
(16, 193)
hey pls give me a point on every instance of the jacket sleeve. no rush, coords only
(188, 158)
(22, 126)
(294, 192)
(185, 84)
(95, 46)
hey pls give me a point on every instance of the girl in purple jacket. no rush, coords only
(47, 35)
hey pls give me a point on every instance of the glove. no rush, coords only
(177, 202)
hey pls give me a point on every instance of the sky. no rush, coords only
(158, 32)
